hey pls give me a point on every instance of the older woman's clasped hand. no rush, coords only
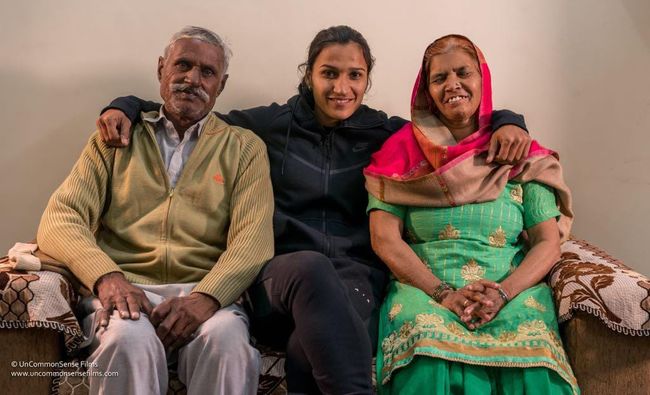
(475, 304)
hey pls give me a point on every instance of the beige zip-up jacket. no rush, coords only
(116, 212)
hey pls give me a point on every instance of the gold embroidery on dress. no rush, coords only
(533, 304)
(526, 331)
(405, 330)
(472, 271)
(532, 328)
(455, 329)
(507, 337)
(517, 194)
(428, 320)
(394, 311)
(498, 238)
(448, 233)
(388, 344)
(555, 339)
(432, 329)
(484, 337)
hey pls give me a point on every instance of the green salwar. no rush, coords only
(425, 347)
(438, 376)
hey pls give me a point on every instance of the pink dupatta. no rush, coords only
(422, 164)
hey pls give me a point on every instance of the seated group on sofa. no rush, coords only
(347, 232)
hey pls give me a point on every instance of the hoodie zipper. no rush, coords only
(327, 143)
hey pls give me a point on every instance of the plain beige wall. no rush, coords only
(579, 70)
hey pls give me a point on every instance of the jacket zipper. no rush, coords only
(328, 165)
(164, 237)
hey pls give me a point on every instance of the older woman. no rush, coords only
(465, 310)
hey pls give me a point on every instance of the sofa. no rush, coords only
(603, 307)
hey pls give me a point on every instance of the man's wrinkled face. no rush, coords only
(191, 77)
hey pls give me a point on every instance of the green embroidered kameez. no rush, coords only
(423, 342)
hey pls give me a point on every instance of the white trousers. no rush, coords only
(218, 360)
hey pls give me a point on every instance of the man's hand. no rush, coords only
(176, 319)
(509, 145)
(114, 128)
(115, 292)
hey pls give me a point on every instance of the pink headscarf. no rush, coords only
(422, 164)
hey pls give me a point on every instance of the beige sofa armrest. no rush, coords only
(587, 279)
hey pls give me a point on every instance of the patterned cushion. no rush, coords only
(39, 300)
(588, 279)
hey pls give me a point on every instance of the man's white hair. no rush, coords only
(205, 35)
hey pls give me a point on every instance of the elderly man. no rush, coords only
(168, 233)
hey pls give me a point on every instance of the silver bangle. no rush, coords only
(504, 295)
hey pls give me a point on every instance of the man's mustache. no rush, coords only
(196, 91)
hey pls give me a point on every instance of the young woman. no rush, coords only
(319, 296)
